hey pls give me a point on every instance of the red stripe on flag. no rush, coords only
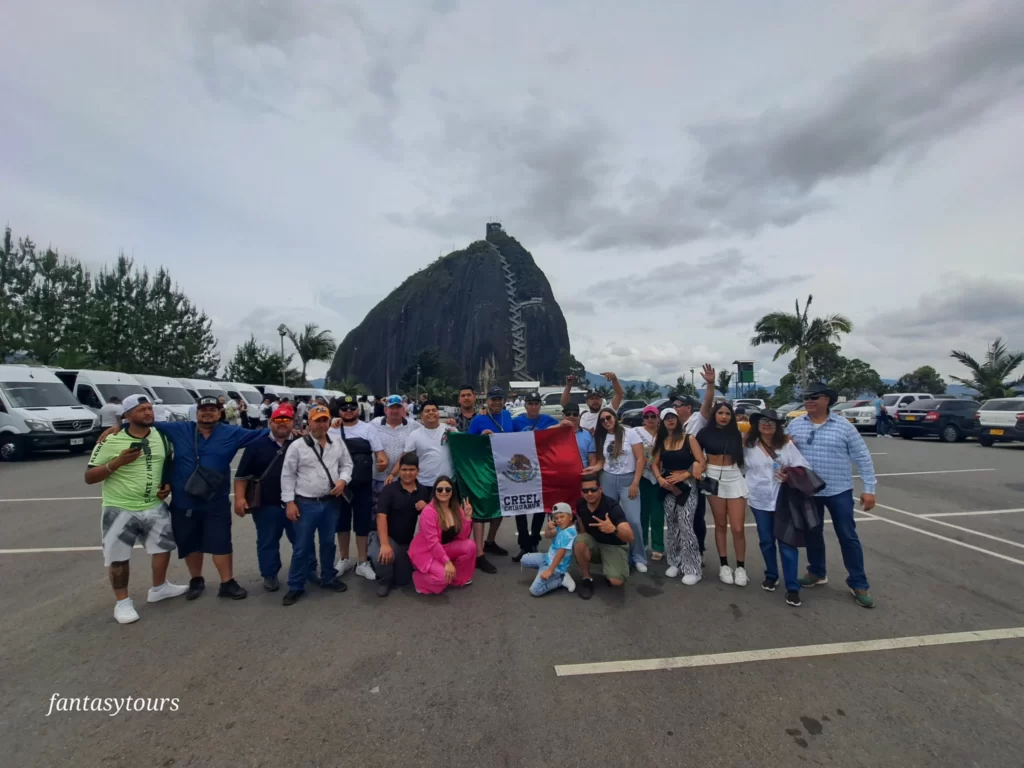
(560, 466)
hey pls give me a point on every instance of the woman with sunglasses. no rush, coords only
(769, 452)
(677, 461)
(723, 447)
(441, 551)
(620, 462)
(652, 512)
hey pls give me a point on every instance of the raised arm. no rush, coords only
(617, 387)
(708, 374)
(565, 392)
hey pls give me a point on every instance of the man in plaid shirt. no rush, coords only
(830, 444)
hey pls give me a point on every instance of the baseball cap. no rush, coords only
(649, 409)
(571, 409)
(208, 400)
(593, 393)
(283, 412)
(685, 400)
(561, 508)
(348, 401)
(495, 392)
(132, 401)
(393, 400)
(318, 412)
(533, 397)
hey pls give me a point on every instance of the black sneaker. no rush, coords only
(586, 588)
(522, 552)
(492, 548)
(195, 588)
(768, 585)
(485, 565)
(335, 586)
(232, 589)
(292, 597)
(383, 590)
(271, 584)
(793, 598)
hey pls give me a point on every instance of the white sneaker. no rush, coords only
(691, 578)
(640, 567)
(725, 574)
(366, 571)
(740, 577)
(166, 590)
(672, 572)
(124, 611)
(567, 582)
(343, 565)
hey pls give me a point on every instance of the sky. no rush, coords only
(677, 169)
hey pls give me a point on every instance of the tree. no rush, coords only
(923, 379)
(856, 378)
(630, 392)
(991, 378)
(568, 365)
(724, 380)
(683, 388)
(349, 386)
(312, 344)
(257, 363)
(759, 393)
(798, 333)
(605, 391)
(15, 277)
(785, 392)
(432, 365)
(649, 391)
(57, 307)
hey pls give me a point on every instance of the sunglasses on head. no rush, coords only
(443, 489)
(595, 489)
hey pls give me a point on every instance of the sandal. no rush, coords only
(657, 556)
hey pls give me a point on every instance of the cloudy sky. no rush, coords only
(676, 168)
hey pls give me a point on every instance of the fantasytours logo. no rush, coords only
(113, 706)
(520, 469)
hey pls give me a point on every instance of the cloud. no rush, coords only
(578, 307)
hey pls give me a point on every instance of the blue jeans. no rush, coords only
(271, 522)
(316, 518)
(616, 487)
(882, 426)
(540, 586)
(840, 508)
(790, 555)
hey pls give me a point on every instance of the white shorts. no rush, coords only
(122, 530)
(731, 484)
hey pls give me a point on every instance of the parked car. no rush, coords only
(860, 413)
(1001, 420)
(837, 408)
(950, 420)
(551, 403)
(634, 416)
(631, 405)
(202, 388)
(752, 401)
(787, 408)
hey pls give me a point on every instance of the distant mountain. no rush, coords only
(316, 383)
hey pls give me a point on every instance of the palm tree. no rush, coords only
(798, 333)
(649, 390)
(312, 344)
(629, 392)
(989, 378)
(349, 386)
(724, 380)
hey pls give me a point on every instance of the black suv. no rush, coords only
(949, 420)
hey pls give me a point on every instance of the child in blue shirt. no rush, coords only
(553, 565)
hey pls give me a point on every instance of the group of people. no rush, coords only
(314, 474)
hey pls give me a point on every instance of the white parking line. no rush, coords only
(955, 527)
(798, 652)
(972, 514)
(963, 544)
(52, 498)
(50, 549)
(931, 472)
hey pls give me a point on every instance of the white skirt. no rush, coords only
(731, 484)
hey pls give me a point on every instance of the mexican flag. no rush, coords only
(517, 473)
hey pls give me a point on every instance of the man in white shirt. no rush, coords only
(588, 418)
(159, 410)
(110, 413)
(392, 429)
(430, 444)
(314, 476)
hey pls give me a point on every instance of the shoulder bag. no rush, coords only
(253, 491)
(347, 495)
(204, 483)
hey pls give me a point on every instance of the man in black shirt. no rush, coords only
(398, 509)
(262, 461)
(604, 537)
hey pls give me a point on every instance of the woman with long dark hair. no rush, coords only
(677, 460)
(652, 511)
(441, 551)
(620, 461)
(723, 447)
(769, 452)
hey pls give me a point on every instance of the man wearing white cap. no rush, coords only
(130, 464)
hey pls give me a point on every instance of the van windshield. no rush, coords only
(252, 398)
(37, 394)
(211, 392)
(120, 391)
(174, 396)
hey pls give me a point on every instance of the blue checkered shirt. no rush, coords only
(835, 445)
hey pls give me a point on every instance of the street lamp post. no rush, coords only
(692, 381)
(417, 381)
(283, 330)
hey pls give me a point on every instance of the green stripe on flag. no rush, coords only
(474, 471)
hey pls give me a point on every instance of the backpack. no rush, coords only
(362, 459)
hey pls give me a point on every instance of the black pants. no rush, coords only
(529, 537)
(700, 527)
(398, 572)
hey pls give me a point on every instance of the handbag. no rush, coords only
(204, 483)
(253, 491)
(709, 485)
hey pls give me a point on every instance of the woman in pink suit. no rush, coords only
(441, 551)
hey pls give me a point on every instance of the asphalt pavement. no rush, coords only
(469, 678)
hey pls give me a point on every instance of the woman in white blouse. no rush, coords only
(768, 452)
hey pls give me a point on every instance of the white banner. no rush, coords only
(518, 470)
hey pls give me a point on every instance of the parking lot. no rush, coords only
(656, 674)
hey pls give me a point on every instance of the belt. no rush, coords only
(325, 497)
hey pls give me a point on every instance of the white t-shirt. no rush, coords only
(159, 412)
(648, 440)
(360, 429)
(431, 447)
(392, 441)
(695, 423)
(588, 419)
(109, 414)
(625, 462)
(762, 485)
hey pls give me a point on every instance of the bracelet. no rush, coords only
(109, 470)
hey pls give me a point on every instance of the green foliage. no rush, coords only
(312, 344)
(432, 365)
(724, 380)
(649, 391)
(856, 378)
(56, 302)
(992, 377)
(630, 392)
(256, 363)
(797, 333)
(785, 392)
(682, 387)
(759, 393)
(15, 278)
(568, 365)
(924, 379)
(349, 386)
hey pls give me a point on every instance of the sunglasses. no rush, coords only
(349, 408)
(650, 416)
(590, 490)
(813, 397)
(442, 489)
(571, 414)
(607, 419)
(282, 420)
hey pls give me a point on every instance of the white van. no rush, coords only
(38, 413)
(202, 388)
(239, 390)
(281, 393)
(93, 389)
(176, 399)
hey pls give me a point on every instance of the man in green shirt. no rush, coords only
(130, 464)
